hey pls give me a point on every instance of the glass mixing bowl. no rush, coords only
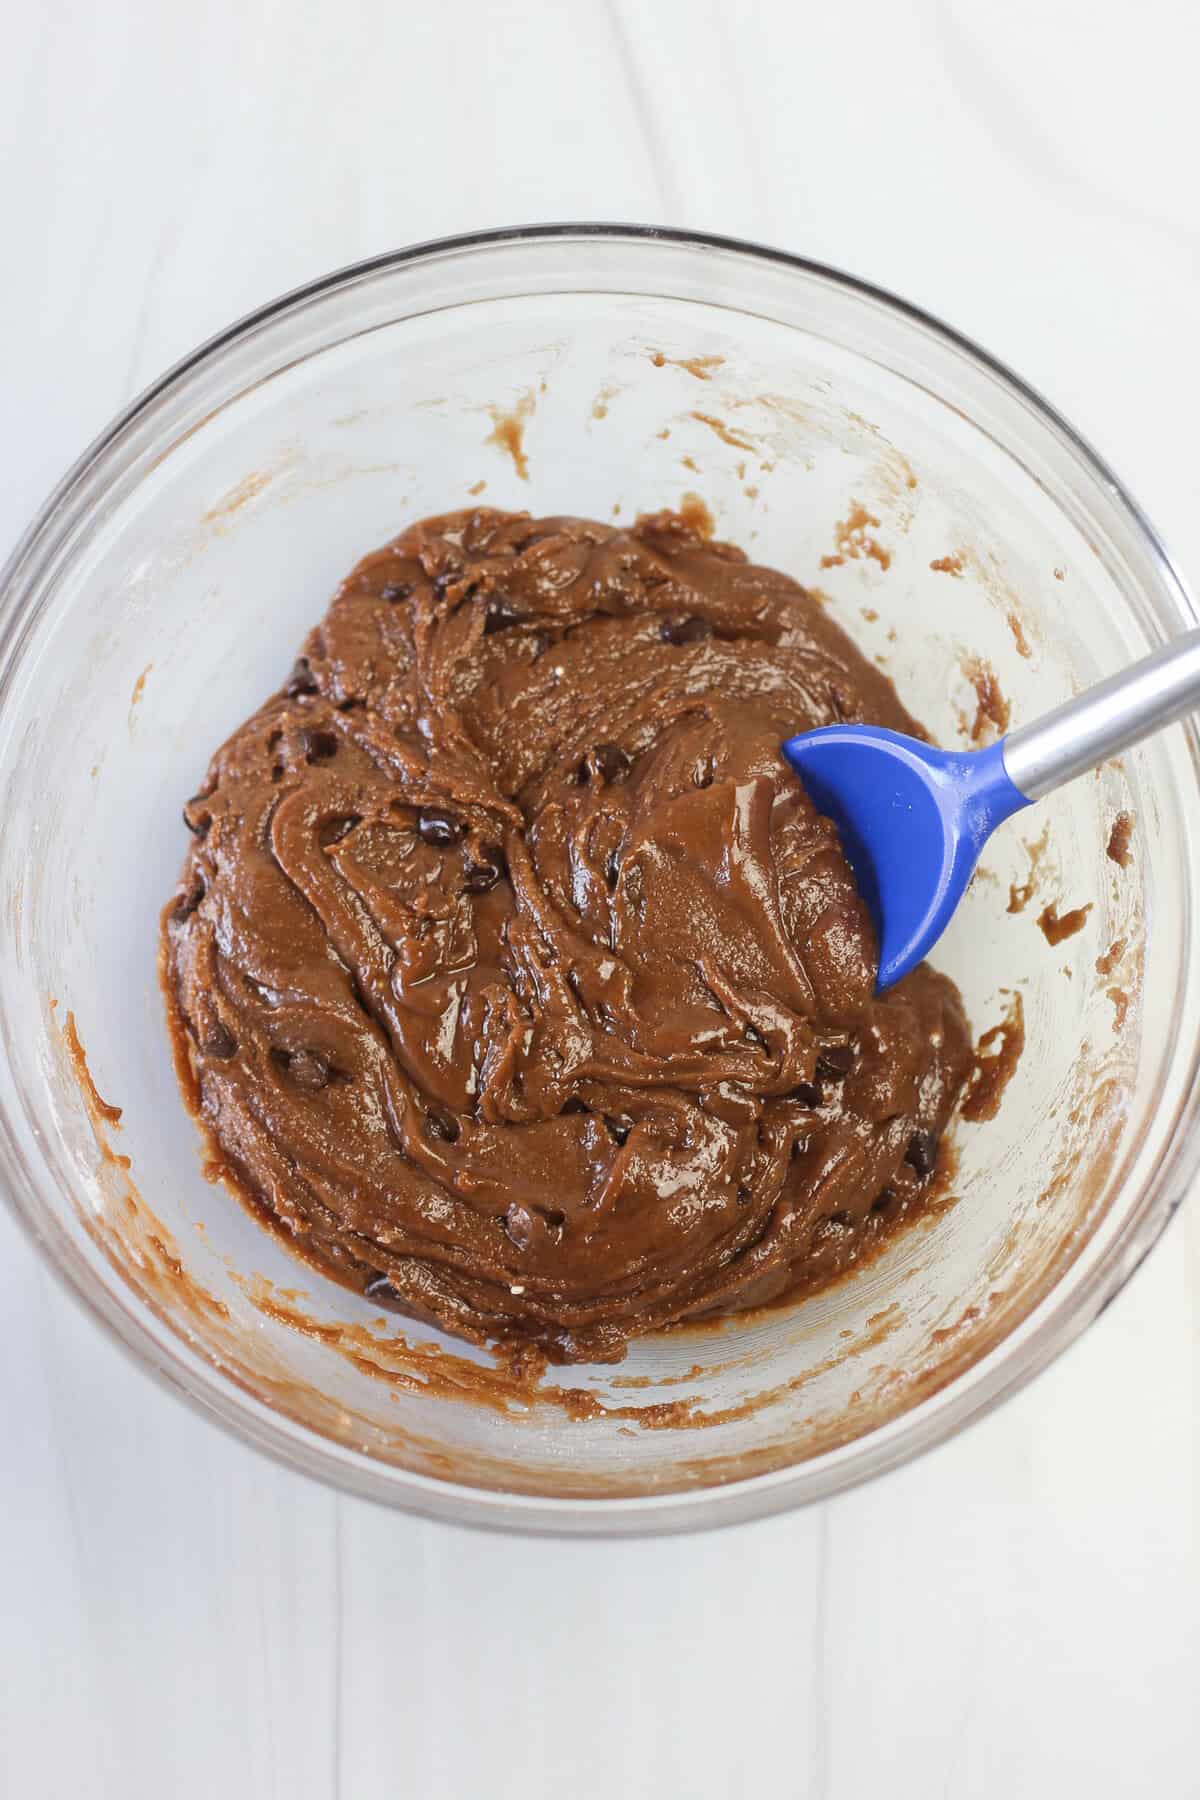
(831, 430)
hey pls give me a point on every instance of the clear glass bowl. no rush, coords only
(162, 593)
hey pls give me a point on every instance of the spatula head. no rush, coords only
(912, 821)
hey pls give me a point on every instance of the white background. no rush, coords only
(1018, 1613)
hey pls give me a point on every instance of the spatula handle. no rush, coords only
(1106, 719)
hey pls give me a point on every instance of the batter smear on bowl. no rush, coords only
(513, 973)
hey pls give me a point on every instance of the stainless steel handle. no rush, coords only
(1108, 717)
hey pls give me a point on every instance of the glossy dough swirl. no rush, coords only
(518, 978)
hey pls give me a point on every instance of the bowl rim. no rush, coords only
(1034, 1342)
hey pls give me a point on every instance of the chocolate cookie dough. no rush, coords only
(518, 979)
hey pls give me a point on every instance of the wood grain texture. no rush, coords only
(1020, 1611)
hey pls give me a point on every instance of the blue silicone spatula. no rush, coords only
(913, 819)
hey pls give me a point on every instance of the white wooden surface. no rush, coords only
(1017, 1614)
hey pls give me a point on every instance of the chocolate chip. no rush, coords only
(685, 631)
(612, 869)
(219, 1041)
(574, 1105)
(834, 1062)
(336, 829)
(441, 1125)
(611, 761)
(479, 877)
(317, 746)
(199, 822)
(885, 1200)
(437, 827)
(922, 1151)
(743, 1196)
(394, 591)
(451, 578)
(308, 1069)
(500, 616)
(618, 1129)
(301, 680)
(807, 1093)
(518, 1224)
(188, 901)
(380, 1289)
